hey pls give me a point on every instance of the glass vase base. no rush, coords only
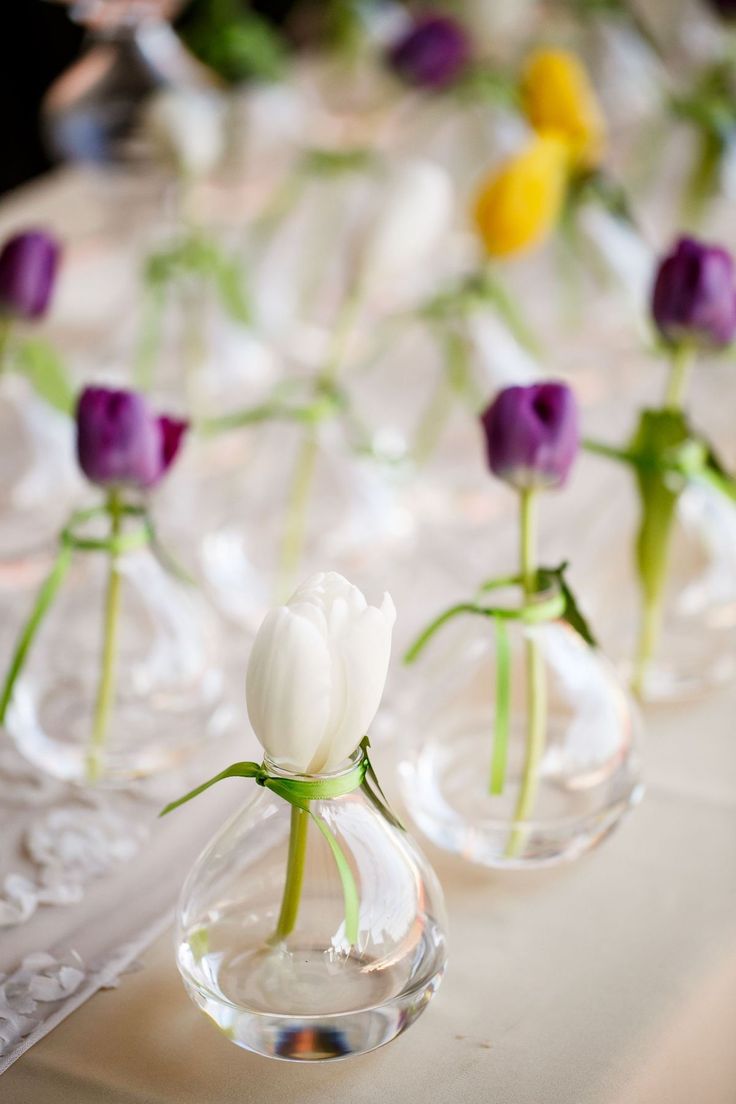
(672, 683)
(53, 735)
(574, 808)
(339, 1004)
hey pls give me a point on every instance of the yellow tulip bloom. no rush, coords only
(520, 203)
(558, 97)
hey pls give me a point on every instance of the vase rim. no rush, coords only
(343, 768)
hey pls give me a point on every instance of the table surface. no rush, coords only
(611, 981)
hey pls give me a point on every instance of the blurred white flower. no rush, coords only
(316, 673)
(269, 123)
(187, 128)
(412, 214)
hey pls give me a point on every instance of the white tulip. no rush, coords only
(413, 214)
(188, 128)
(316, 673)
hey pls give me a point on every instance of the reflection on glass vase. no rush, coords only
(39, 480)
(96, 707)
(344, 970)
(685, 644)
(506, 776)
(92, 111)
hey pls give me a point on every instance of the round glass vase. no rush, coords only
(692, 629)
(276, 971)
(163, 687)
(298, 499)
(571, 770)
(39, 483)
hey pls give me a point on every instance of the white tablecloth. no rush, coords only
(612, 981)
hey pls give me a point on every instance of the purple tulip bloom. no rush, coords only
(28, 264)
(725, 8)
(121, 442)
(532, 435)
(432, 53)
(694, 297)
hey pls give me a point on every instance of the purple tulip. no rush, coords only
(28, 264)
(694, 297)
(121, 442)
(532, 435)
(725, 8)
(432, 53)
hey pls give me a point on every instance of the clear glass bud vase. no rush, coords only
(265, 945)
(683, 643)
(298, 498)
(122, 681)
(524, 746)
(39, 481)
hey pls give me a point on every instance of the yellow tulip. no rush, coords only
(520, 203)
(558, 97)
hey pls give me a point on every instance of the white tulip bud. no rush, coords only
(188, 128)
(316, 673)
(413, 214)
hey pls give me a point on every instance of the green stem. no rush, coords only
(195, 348)
(599, 448)
(682, 360)
(647, 643)
(6, 325)
(294, 874)
(149, 341)
(296, 510)
(106, 685)
(536, 690)
(344, 323)
(433, 421)
(454, 381)
(296, 514)
(703, 179)
(508, 310)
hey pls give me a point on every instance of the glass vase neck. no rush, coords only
(277, 770)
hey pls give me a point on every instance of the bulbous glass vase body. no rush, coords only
(167, 691)
(694, 645)
(570, 776)
(91, 113)
(297, 499)
(39, 481)
(308, 994)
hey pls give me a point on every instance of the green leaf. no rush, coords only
(660, 434)
(199, 257)
(231, 288)
(44, 369)
(237, 770)
(234, 41)
(551, 576)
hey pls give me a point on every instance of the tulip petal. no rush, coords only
(361, 649)
(288, 687)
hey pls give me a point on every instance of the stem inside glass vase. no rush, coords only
(653, 597)
(108, 669)
(294, 875)
(536, 689)
(306, 462)
(455, 382)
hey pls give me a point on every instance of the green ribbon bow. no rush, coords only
(301, 792)
(70, 541)
(560, 604)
